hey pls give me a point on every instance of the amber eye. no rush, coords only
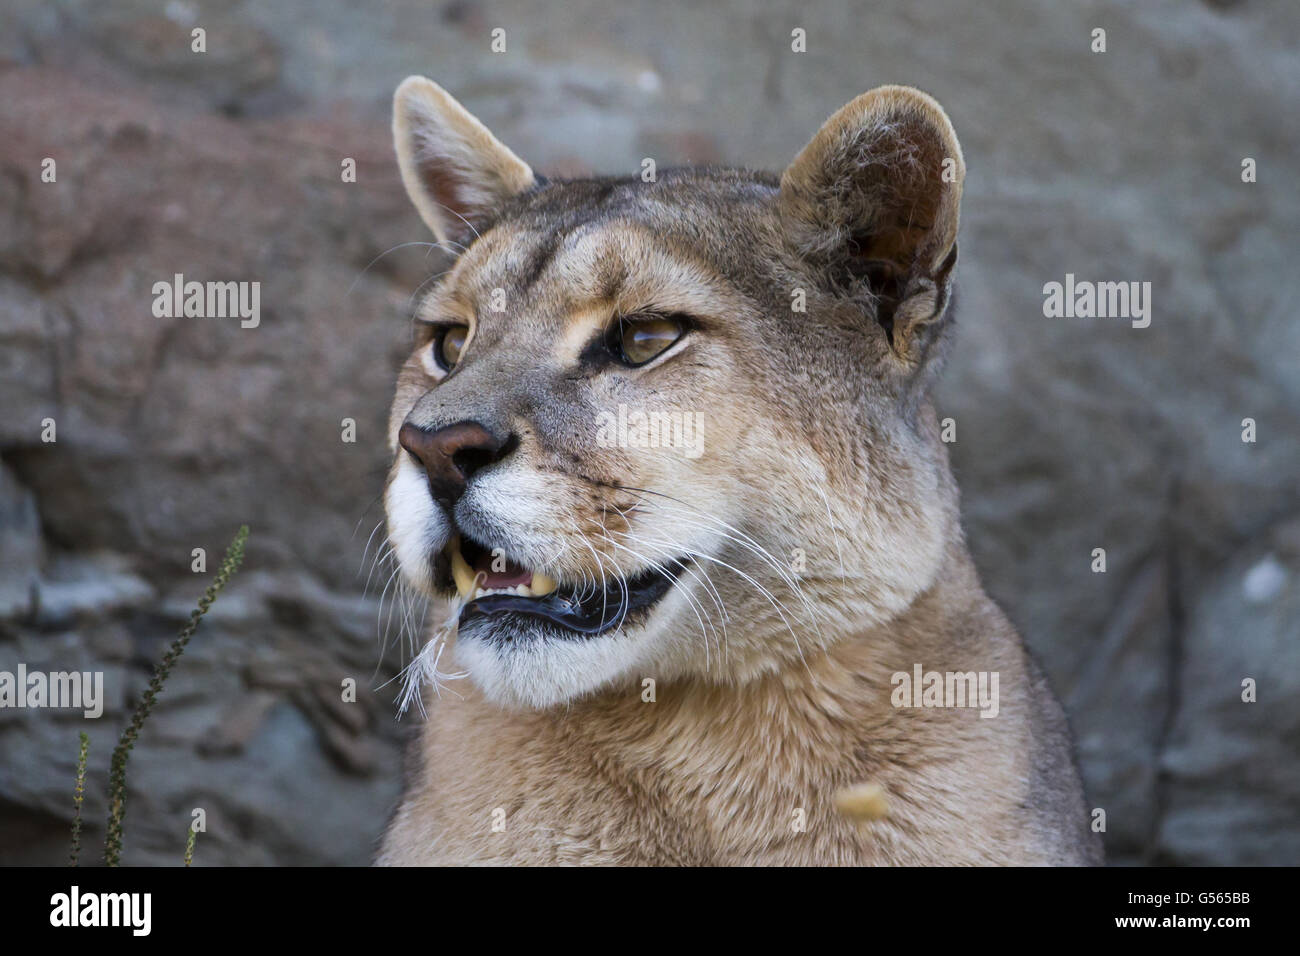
(638, 340)
(448, 344)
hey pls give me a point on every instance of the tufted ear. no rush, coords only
(454, 169)
(874, 199)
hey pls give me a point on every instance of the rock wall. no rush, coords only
(1072, 434)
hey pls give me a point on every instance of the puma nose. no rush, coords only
(450, 455)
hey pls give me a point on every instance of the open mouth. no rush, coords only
(493, 586)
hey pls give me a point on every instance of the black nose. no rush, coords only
(452, 454)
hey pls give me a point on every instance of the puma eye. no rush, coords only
(448, 344)
(638, 340)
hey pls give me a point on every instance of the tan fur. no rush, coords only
(820, 441)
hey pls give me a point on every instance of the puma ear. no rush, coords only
(874, 199)
(454, 169)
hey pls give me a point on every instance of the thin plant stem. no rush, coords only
(78, 795)
(117, 769)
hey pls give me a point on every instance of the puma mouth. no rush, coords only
(490, 585)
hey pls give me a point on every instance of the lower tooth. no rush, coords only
(469, 584)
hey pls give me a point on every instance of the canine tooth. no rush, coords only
(461, 572)
(542, 585)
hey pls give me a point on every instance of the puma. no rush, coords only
(680, 653)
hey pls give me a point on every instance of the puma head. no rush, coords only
(679, 427)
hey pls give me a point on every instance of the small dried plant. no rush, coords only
(117, 768)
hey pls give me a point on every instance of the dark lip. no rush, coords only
(440, 572)
(597, 613)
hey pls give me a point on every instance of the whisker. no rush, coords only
(747, 542)
(411, 300)
(834, 532)
(695, 607)
(400, 245)
(366, 553)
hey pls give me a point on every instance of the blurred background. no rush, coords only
(1072, 434)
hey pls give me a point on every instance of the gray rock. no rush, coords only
(21, 547)
(95, 585)
(1230, 774)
